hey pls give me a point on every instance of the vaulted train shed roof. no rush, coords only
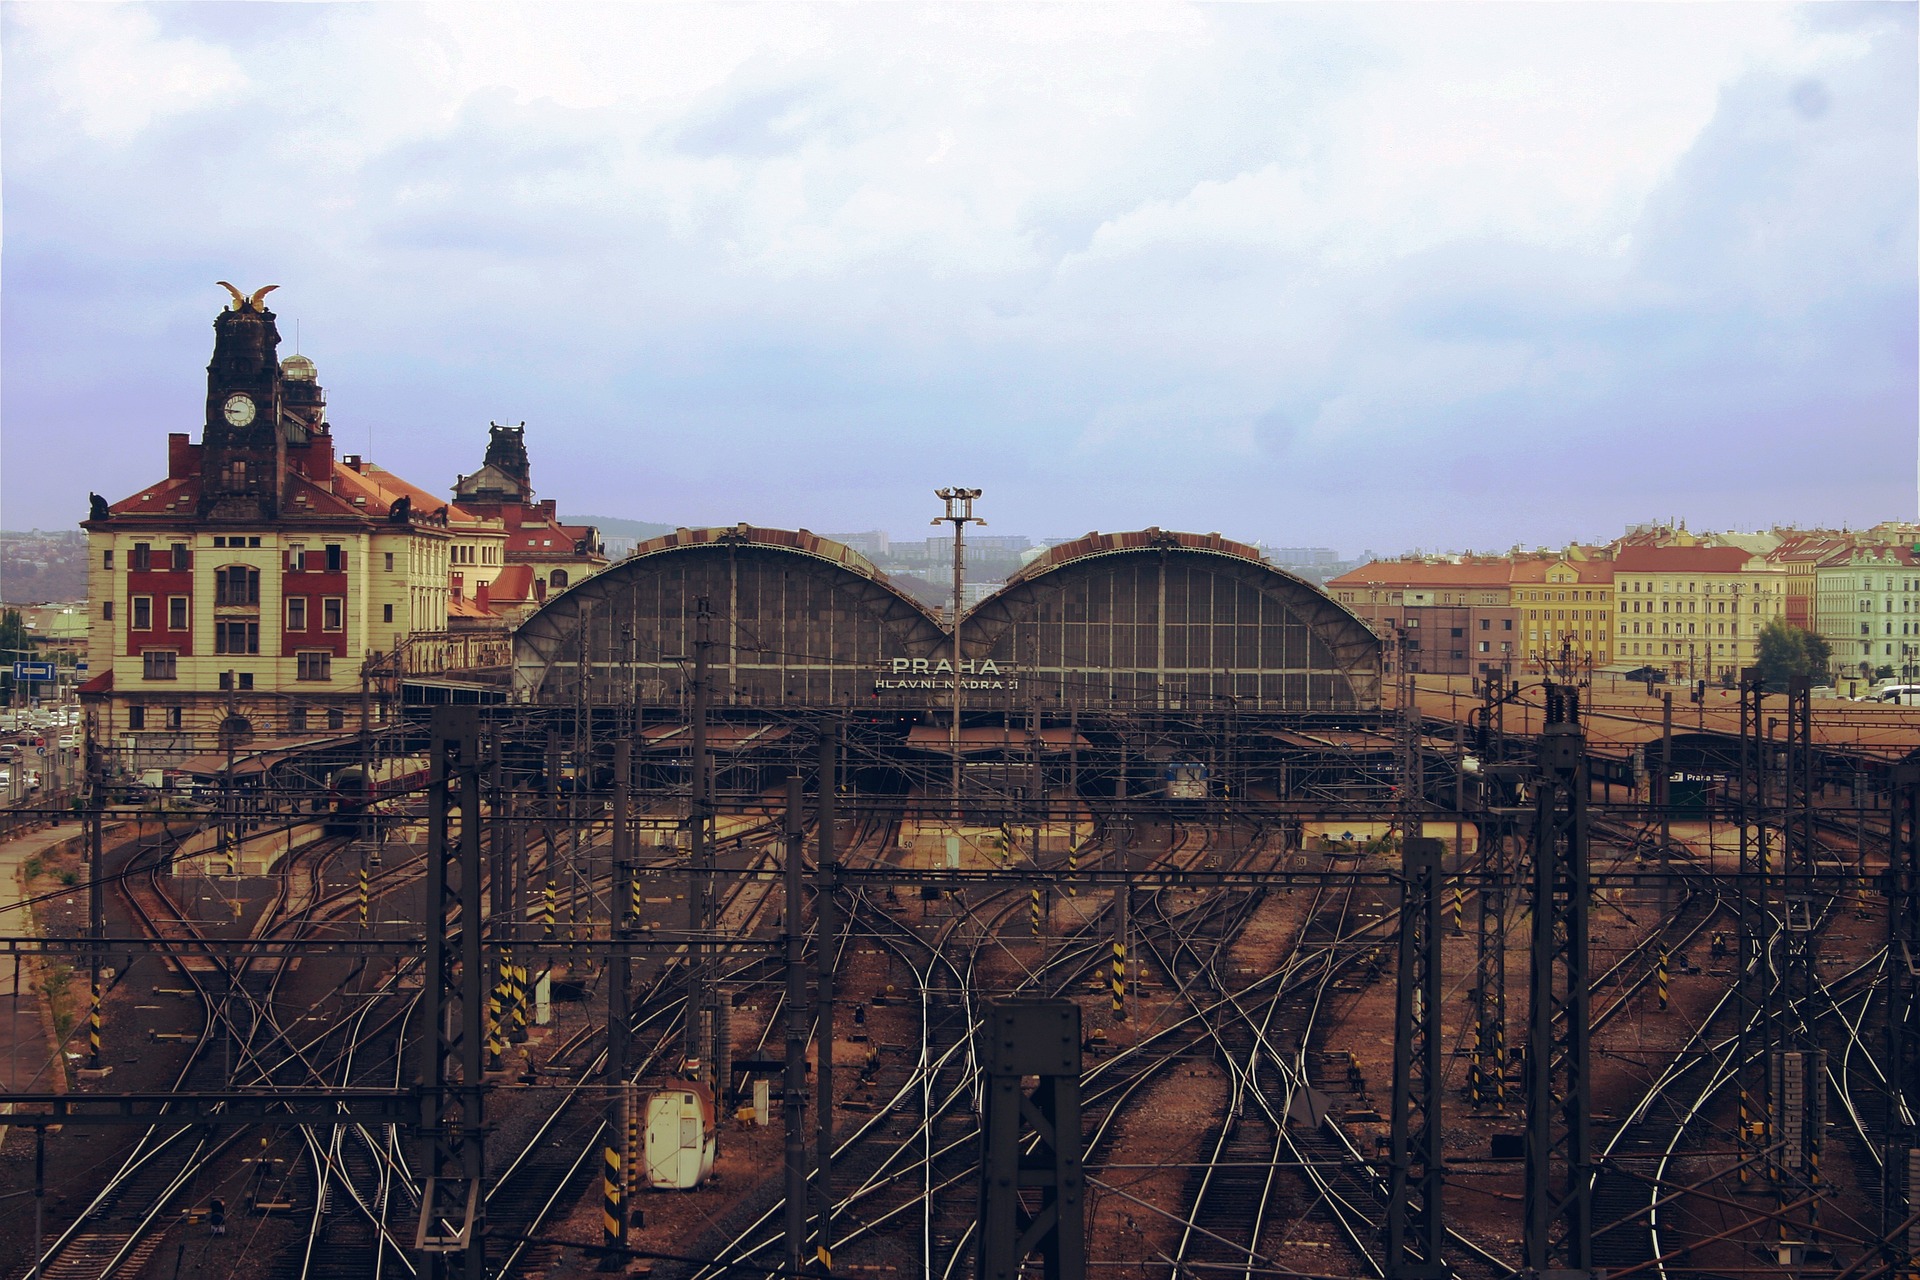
(1148, 620)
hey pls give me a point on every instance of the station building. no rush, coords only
(253, 590)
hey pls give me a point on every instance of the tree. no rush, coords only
(16, 645)
(1787, 651)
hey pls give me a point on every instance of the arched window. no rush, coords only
(235, 731)
(236, 585)
(557, 579)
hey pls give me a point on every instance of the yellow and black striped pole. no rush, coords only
(496, 1028)
(1073, 866)
(1499, 1056)
(1119, 980)
(517, 998)
(1033, 909)
(549, 909)
(366, 899)
(613, 1212)
(1459, 908)
(1476, 1078)
(93, 1021)
(1661, 972)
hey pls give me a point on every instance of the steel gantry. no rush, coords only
(1753, 979)
(1559, 1181)
(1415, 1229)
(1900, 1151)
(450, 1075)
(1031, 1142)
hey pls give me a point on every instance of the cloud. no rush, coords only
(1274, 270)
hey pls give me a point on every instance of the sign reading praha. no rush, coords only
(937, 673)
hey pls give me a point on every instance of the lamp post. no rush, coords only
(959, 515)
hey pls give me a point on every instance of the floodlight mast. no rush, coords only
(959, 515)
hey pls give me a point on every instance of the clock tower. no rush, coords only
(245, 450)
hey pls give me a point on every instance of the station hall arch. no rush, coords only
(1160, 621)
(794, 620)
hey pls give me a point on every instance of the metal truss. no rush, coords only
(1415, 1229)
(451, 1066)
(1559, 1177)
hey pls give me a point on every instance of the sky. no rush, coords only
(1348, 275)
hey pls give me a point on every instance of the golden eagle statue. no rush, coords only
(241, 302)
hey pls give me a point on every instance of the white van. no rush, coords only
(1902, 695)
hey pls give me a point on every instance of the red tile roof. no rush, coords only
(1421, 573)
(1683, 560)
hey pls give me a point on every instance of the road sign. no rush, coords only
(33, 671)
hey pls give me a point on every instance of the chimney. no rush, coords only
(480, 598)
(180, 455)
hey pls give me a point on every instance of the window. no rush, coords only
(246, 679)
(158, 664)
(182, 558)
(236, 637)
(106, 610)
(174, 717)
(143, 613)
(297, 719)
(296, 613)
(333, 613)
(296, 559)
(386, 613)
(336, 558)
(252, 542)
(1486, 624)
(236, 586)
(142, 558)
(315, 666)
(106, 558)
(336, 718)
(389, 562)
(1506, 624)
(136, 717)
(176, 613)
(558, 578)
(1456, 633)
(219, 541)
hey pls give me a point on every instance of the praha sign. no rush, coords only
(937, 673)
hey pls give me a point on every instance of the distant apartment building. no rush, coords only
(874, 544)
(1564, 607)
(1869, 609)
(1455, 617)
(1801, 553)
(1694, 612)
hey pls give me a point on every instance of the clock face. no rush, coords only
(239, 409)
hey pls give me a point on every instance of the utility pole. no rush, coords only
(96, 890)
(959, 515)
(825, 948)
(793, 1102)
(619, 1021)
(700, 1017)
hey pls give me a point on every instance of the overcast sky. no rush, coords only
(1346, 275)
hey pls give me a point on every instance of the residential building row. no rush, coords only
(1689, 606)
